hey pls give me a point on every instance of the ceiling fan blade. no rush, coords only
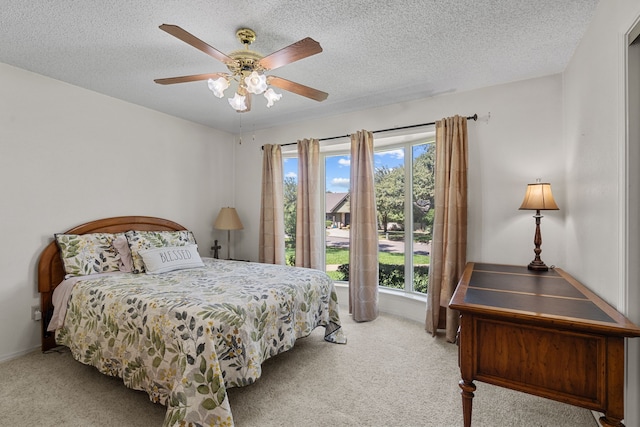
(189, 38)
(297, 88)
(186, 79)
(295, 52)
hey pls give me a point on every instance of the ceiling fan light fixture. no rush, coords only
(218, 86)
(238, 102)
(256, 83)
(247, 68)
(272, 96)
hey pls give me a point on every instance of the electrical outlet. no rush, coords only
(36, 314)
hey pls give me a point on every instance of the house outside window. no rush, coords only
(337, 210)
(404, 198)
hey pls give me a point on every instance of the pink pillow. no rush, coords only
(121, 246)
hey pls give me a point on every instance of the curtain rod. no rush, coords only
(474, 118)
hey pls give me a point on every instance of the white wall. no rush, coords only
(68, 156)
(593, 113)
(595, 134)
(633, 224)
(521, 141)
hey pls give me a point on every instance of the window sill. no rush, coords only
(391, 301)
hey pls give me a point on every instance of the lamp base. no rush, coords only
(537, 265)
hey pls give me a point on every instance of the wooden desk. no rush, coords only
(542, 333)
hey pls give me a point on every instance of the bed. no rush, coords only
(185, 329)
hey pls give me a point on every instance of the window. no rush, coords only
(404, 181)
(389, 180)
(422, 210)
(290, 194)
(337, 170)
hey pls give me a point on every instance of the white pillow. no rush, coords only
(168, 258)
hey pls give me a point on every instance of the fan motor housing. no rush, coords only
(247, 62)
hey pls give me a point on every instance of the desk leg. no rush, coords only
(467, 389)
(608, 422)
(466, 335)
(614, 409)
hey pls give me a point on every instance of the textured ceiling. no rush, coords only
(375, 52)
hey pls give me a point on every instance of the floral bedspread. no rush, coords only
(186, 336)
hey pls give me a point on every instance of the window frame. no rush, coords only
(406, 141)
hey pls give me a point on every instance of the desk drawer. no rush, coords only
(558, 364)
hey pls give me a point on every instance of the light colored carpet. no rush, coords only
(391, 373)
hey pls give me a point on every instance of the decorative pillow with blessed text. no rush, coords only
(169, 258)
(141, 240)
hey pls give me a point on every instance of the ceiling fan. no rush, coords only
(247, 68)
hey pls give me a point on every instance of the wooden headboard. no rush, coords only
(51, 270)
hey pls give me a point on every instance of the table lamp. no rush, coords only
(538, 197)
(228, 220)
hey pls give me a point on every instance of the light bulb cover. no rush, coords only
(256, 83)
(237, 102)
(272, 97)
(218, 86)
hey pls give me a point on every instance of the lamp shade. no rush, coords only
(539, 197)
(228, 220)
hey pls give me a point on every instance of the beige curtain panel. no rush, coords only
(363, 232)
(271, 241)
(309, 217)
(449, 245)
